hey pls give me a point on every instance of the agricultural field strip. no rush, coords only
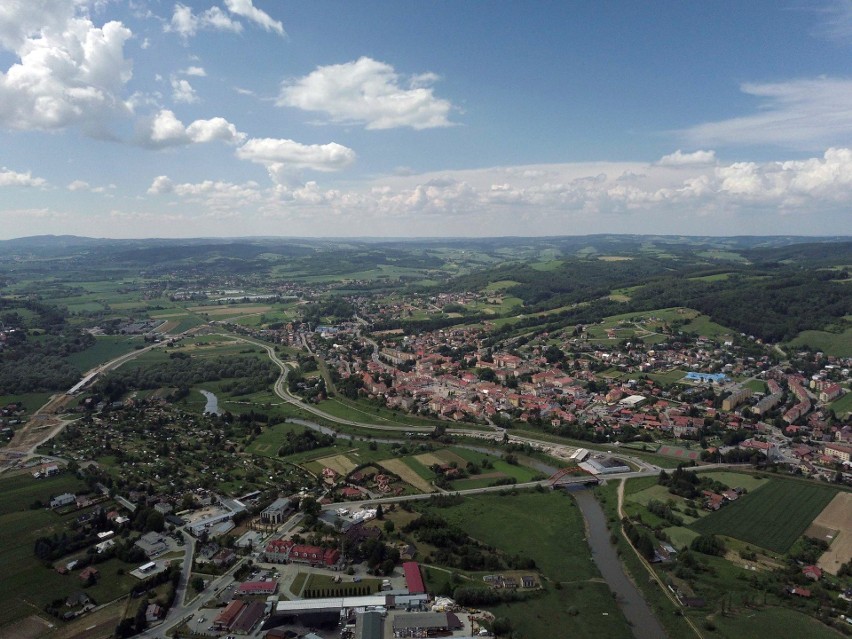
(341, 464)
(407, 474)
(771, 517)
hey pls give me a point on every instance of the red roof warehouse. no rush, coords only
(413, 578)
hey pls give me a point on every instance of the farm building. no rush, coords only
(425, 624)
(413, 578)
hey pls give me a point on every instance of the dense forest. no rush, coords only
(182, 371)
(33, 361)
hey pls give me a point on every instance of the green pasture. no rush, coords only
(719, 254)
(544, 526)
(106, 347)
(704, 326)
(718, 277)
(499, 285)
(31, 401)
(770, 623)
(546, 265)
(578, 610)
(838, 344)
(421, 470)
(842, 407)
(735, 480)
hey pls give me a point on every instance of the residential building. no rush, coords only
(65, 499)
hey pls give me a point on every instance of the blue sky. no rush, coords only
(141, 118)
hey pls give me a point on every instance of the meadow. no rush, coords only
(548, 528)
(842, 407)
(106, 347)
(839, 344)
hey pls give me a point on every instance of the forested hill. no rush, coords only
(773, 293)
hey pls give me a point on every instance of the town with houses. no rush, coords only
(288, 502)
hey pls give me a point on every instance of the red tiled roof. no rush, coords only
(227, 616)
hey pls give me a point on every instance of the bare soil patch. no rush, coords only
(340, 464)
(399, 467)
(836, 516)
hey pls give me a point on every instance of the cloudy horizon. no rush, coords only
(250, 118)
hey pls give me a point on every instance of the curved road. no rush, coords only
(183, 609)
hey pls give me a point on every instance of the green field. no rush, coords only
(546, 527)
(771, 623)
(31, 401)
(21, 491)
(668, 378)
(757, 385)
(553, 614)
(271, 438)
(106, 348)
(500, 285)
(364, 411)
(718, 277)
(26, 583)
(843, 406)
(772, 517)
(735, 480)
(839, 344)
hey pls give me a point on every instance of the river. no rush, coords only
(630, 600)
(212, 405)
(639, 615)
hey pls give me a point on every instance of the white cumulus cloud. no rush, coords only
(368, 92)
(14, 178)
(182, 91)
(245, 9)
(68, 70)
(161, 184)
(280, 156)
(679, 158)
(186, 23)
(167, 130)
